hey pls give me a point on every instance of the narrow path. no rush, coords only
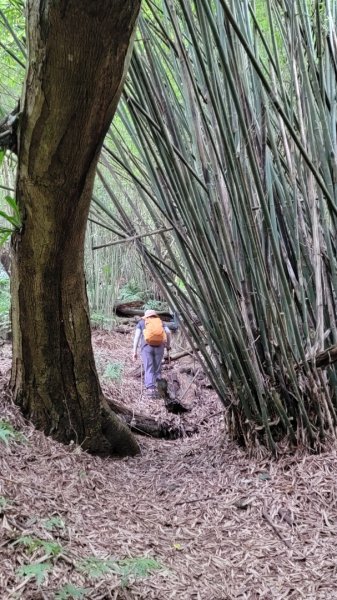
(220, 524)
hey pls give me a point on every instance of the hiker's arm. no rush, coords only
(138, 333)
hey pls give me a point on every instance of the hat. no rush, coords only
(150, 313)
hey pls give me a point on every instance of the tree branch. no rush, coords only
(8, 130)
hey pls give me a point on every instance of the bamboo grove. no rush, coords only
(225, 142)
(228, 133)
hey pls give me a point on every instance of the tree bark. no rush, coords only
(78, 54)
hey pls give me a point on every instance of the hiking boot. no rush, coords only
(151, 393)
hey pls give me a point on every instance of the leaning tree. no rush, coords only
(78, 54)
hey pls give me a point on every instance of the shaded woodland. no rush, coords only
(176, 156)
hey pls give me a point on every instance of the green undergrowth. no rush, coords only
(38, 571)
(157, 305)
(9, 434)
(69, 591)
(133, 293)
(4, 503)
(54, 522)
(127, 568)
(102, 321)
(45, 554)
(114, 371)
(31, 544)
(103, 317)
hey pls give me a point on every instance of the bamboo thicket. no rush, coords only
(230, 109)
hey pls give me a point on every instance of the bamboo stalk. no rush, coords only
(133, 238)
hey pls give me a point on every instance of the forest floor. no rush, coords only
(190, 519)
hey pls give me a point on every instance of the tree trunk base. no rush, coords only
(114, 438)
(109, 436)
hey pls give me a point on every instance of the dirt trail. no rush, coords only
(220, 524)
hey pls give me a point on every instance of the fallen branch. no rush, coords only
(144, 425)
(181, 354)
(190, 385)
(169, 391)
(122, 329)
(270, 522)
(324, 359)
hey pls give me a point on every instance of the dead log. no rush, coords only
(168, 390)
(144, 425)
(324, 359)
(127, 310)
(129, 321)
(122, 329)
(136, 308)
(188, 370)
(179, 355)
(204, 383)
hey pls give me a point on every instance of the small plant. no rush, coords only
(37, 570)
(99, 320)
(130, 292)
(3, 502)
(70, 591)
(54, 523)
(136, 567)
(13, 219)
(8, 433)
(95, 567)
(114, 371)
(106, 270)
(50, 547)
(126, 568)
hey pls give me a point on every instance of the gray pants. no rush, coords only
(152, 357)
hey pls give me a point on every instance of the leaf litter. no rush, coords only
(189, 519)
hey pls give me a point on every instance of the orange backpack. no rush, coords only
(154, 333)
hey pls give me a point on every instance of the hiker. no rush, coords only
(153, 337)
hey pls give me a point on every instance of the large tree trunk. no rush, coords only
(78, 55)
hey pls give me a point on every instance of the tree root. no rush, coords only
(117, 439)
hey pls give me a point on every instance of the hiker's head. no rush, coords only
(150, 313)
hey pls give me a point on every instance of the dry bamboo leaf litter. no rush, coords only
(222, 525)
